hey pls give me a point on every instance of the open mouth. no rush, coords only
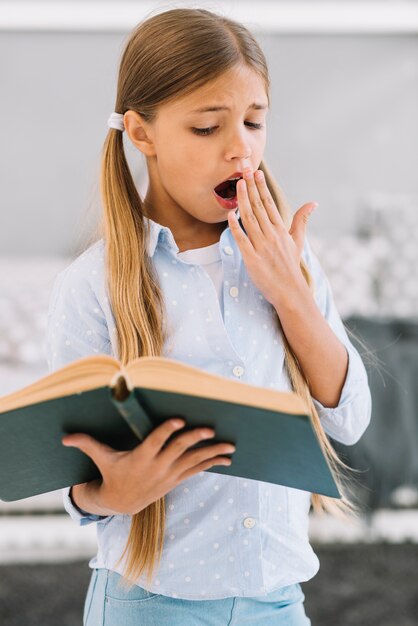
(228, 188)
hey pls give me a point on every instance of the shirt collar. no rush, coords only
(157, 232)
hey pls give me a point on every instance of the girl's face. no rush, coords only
(190, 152)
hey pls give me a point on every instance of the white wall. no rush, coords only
(343, 124)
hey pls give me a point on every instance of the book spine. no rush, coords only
(134, 415)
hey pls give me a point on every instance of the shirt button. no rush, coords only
(238, 370)
(228, 250)
(249, 522)
(234, 291)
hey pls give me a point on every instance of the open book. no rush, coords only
(120, 406)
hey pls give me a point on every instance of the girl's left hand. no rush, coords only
(271, 254)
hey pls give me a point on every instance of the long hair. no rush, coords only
(168, 56)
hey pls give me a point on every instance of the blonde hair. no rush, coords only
(170, 55)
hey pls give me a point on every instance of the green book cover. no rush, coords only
(271, 446)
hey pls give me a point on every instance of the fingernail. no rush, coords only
(177, 423)
(248, 173)
(258, 175)
(208, 433)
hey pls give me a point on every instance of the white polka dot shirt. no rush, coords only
(225, 536)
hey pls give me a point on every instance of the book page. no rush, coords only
(171, 375)
(81, 375)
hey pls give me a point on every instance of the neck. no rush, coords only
(189, 233)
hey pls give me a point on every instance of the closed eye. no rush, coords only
(211, 129)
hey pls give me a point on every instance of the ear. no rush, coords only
(139, 132)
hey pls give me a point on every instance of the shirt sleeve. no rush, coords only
(76, 324)
(82, 518)
(76, 327)
(347, 421)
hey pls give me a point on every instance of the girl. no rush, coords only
(218, 275)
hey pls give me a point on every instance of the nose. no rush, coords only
(238, 146)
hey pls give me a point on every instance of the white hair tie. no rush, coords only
(116, 121)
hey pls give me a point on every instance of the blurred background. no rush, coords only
(343, 131)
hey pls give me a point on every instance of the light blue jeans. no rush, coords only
(107, 604)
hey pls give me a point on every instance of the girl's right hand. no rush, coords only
(133, 479)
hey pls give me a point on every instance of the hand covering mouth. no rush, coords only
(228, 188)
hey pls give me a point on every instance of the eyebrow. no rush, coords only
(255, 105)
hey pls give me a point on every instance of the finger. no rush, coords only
(256, 203)
(243, 242)
(267, 199)
(204, 465)
(180, 444)
(247, 214)
(299, 222)
(154, 442)
(99, 452)
(190, 458)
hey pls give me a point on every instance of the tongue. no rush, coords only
(226, 189)
(222, 187)
(229, 193)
